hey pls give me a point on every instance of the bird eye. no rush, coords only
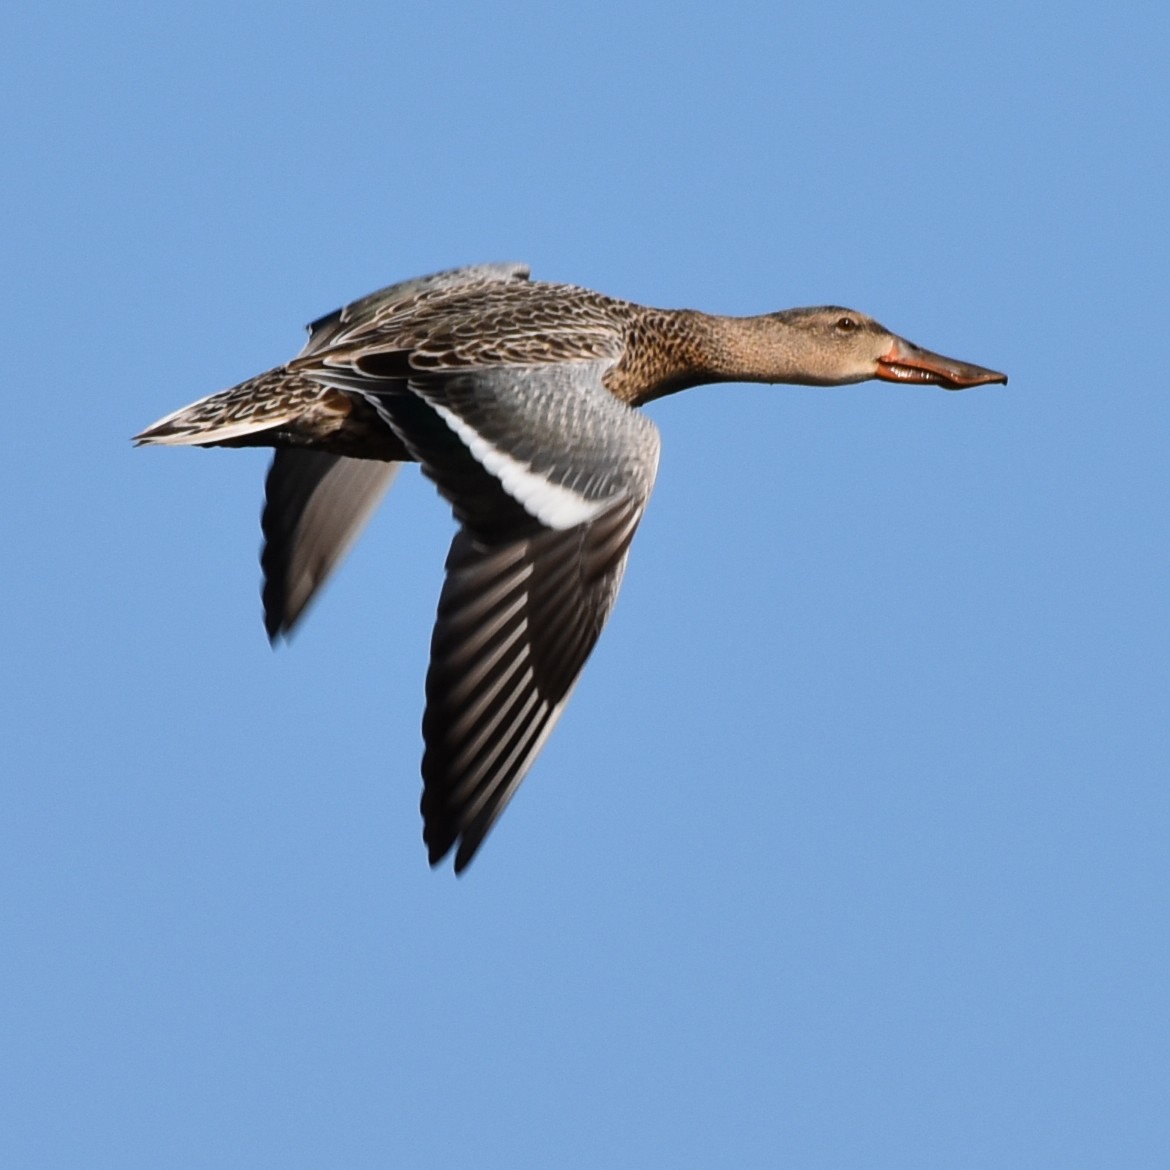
(846, 324)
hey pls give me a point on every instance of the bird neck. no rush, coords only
(676, 349)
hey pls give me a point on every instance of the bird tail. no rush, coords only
(269, 400)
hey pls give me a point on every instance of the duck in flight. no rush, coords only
(518, 400)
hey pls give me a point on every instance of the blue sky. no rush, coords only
(851, 849)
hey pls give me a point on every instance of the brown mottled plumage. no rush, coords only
(516, 397)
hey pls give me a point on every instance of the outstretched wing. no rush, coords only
(516, 623)
(316, 506)
(548, 475)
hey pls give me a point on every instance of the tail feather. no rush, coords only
(271, 399)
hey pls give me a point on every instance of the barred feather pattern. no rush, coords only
(515, 626)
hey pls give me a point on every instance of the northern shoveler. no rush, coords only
(516, 398)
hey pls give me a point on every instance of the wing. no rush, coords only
(548, 475)
(316, 505)
(515, 626)
(325, 331)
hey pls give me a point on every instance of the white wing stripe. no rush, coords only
(554, 506)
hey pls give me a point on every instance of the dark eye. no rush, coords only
(846, 324)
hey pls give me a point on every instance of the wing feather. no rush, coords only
(316, 506)
(548, 475)
(501, 673)
(328, 330)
